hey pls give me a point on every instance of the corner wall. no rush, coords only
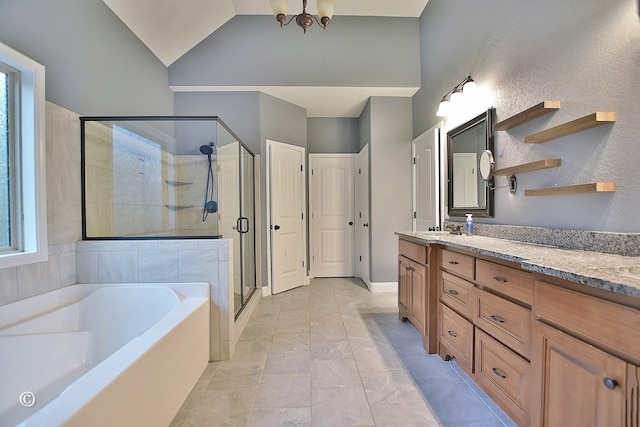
(64, 223)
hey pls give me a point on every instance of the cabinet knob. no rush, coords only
(499, 279)
(610, 383)
(454, 262)
(453, 292)
(453, 334)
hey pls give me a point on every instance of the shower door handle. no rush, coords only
(239, 224)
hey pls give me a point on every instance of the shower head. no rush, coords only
(207, 149)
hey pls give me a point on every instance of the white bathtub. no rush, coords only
(102, 355)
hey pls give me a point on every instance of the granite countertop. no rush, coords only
(614, 273)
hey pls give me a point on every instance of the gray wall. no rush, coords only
(94, 64)
(240, 111)
(390, 179)
(585, 54)
(355, 51)
(333, 135)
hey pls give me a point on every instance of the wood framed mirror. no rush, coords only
(468, 192)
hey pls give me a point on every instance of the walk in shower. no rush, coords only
(170, 178)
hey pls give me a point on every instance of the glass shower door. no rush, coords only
(247, 223)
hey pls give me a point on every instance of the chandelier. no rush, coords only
(304, 19)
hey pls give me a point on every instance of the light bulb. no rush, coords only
(443, 108)
(469, 87)
(326, 8)
(279, 7)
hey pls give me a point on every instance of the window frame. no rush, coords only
(27, 150)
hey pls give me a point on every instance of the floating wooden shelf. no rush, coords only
(594, 187)
(529, 167)
(586, 122)
(178, 183)
(536, 111)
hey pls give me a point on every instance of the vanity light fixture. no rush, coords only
(304, 19)
(465, 87)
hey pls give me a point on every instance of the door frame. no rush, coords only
(360, 232)
(269, 144)
(438, 172)
(310, 220)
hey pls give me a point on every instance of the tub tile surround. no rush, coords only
(166, 261)
(62, 148)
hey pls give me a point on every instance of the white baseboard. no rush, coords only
(383, 287)
(266, 291)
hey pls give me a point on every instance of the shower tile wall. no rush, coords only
(191, 173)
(164, 261)
(124, 182)
(136, 188)
(62, 141)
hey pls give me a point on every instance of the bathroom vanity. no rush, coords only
(552, 335)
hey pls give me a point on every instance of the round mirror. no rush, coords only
(487, 165)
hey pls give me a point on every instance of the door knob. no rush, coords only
(276, 227)
(350, 222)
(365, 224)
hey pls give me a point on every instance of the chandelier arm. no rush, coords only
(289, 21)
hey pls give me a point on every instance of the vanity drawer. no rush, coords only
(604, 323)
(506, 280)
(457, 294)
(462, 265)
(504, 375)
(413, 251)
(456, 333)
(506, 321)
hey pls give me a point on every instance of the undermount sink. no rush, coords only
(432, 233)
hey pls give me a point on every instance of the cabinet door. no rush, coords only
(418, 309)
(404, 279)
(581, 386)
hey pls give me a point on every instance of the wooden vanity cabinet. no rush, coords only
(585, 357)
(416, 298)
(455, 309)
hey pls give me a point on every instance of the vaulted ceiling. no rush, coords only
(170, 28)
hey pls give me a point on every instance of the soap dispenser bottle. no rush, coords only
(469, 227)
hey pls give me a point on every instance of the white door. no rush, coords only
(332, 215)
(465, 180)
(426, 183)
(362, 229)
(286, 200)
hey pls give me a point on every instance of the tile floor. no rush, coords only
(333, 354)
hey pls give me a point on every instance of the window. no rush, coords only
(5, 163)
(23, 218)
